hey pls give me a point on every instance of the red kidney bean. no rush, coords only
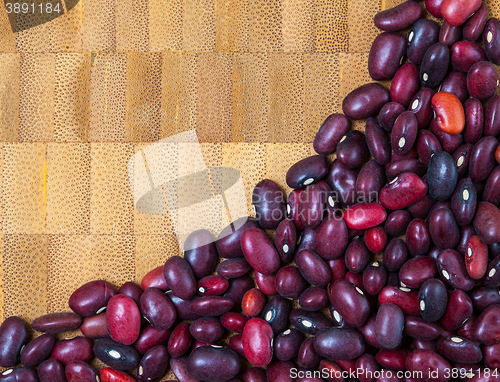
(352, 149)
(458, 349)
(402, 192)
(285, 240)
(259, 251)
(156, 279)
(350, 301)
(37, 350)
(434, 7)
(116, 355)
(444, 229)
(212, 305)
(228, 242)
(294, 209)
(426, 362)
(466, 329)
(492, 113)
(492, 355)
(363, 216)
(287, 344)
(289, 282)
(368, 331)
(424, 345)
(397, 222)
(374, 277)
(207, 329)
(112, 375)
(307, 171)
(51, 371)
(72, 349)
(333, 372)
(389, 326)
(306, 239)
(233, 268)
(234, 322)
(331, 238)
(482, 80)
(482, 161)
(366, 100)
(256, 374)
(308, 357)
(456, 12)
(269, 202)
(131, 290)
(491, 192)
(465, 233)
(339, 344)
(266, 283)
(451, 267)
(386, 118)
(313, 299)
(343, 183)
(180, 277)
(416, 271)
(405, 84)
(367, 367)
(370, 181)
(474, 120)
(395, 254)
(434, 65)
(312, 205)
(476, 258)
(487, 327)
(258, 342)
(449, 34)
(449, 142)
(357, 256)
(200, 252)
(338, 269)
(404, 132)
(253, 302)
(487, 223)
(442, 175)
(484, 297)
(397, 167)
(278, 371)
(276, 313)
(423, 34)
(492, 278)
(464, 202)
(376, 239)
(464, 54)
(123, 319)
(309, 322)
(237, 289)
(330, 133)
(491, 40)
(79, 371)
(212, 285)
(455, 83)
(94, 327)
(461, 157)
(183, 307)
(385, 56)
(459, 310)
(13, 336)
(91, 297)
(151, 337)
(432, 298)
(418, 238)
(418, 328)
(178, 366)
(213, 363)
(400, 17)
(313, 268)
(354, 278)
(392, 359)
(474, 26)
(157, 308)
(180, 340)
(330, 199)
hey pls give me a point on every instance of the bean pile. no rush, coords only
(373, 307)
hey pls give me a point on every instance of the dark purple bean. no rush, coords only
(393, 359)
(455, 83)
(424, 345)
(494, 250)
(492, 278)
(285, 240)
(266, 283)
(449, 142)
(491, 356)
(350, 301)
(180, 277)
(213, 363)
(259, 251)
(370, 181)
(434, 65)
(451, 267)
(474, 120)
(330, 133)
(426, 362)
(116, 355)
(464, 54)
(79, 371)
(180, 340)
(132, 290)
(442, 175)
(427, 144)
(395, 254)
(207, 329)
(357, 256)
(418, 328)
(465, 234)
(309, 322)
(389, 326)
(416, 271)
(276, 313)
(484, 297)
(306, 240)
(339, 344)
(423, 34)
(487, 223)
(91, 297)
(313, 268)
(444, 229)
(287, 344)
(51, 371)
(157, 308)
(13, 336)
(331, 238)
(397, 167)
(151, 337)
(400, 17)
(289, 282)
(307, 171)
(312, 205)
(24, 374)
(212, 305)
(331, 199)
(237, 289)
(228, 242)
(94, 327)
(432, 298)
(37, 350)
(153, 365)
(73, 349)
(464, 201)
(418, 237)
(404, 133)
(403, 191)
(462, 157)
(313, 299)
(405, 84)
(200, 253)
(270, 203)
(308, 357)
(487, 327)
(153, 278)
(385, 56)
(374, 277)
(458, 311)
(396, 222)
(368, 366)
(256, 374)
(278, 371)
(434, 252)
(352, 149)
(183, 307)
(474, 26)
(178, 366)
(386, 118)
(343, 182)
(482, 80)
(366, 100)
(491, 40)
(492, 114)
(449, 34)
(233, 268)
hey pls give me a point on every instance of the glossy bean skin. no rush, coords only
(432, 297)
(180, 277)
(237, 289)
(492, 113)
(369, 366)
(234, 322)
(491, 356)
(464, 202)
(449, 142)
(486, 222)
(233, 268)
(491, 192)
(423, 34)
(123, 318)
(255, 374)
(51, 371)
(178, 366)
(206, 329)
(13, 336)
(393, 359)
(309, 322)
(451, 267)
(434, 7)
(269, 202)
(212, 285)
(307, 171)
(389, 326)
(434, 65)
(276, 313)
(370, 181)
(427, 361)
(464, 54)
(400, 17)
(313, 299)
(79, 371)
(312, 205)
(374, 277)
(474, 120)
(116, 355)
(343, 181)
(156, 279)
(350, 301)
(482, 160)
(180, 340)
(397, 222)
(56, 322)
(449, 34)
(424, 345)
(461, 157)
(455, 83)
(404, 133)
(111, 375)
(200, 252)
(385, 55)
(290, 282)
(259, 251)
(457, 12)
(183, 307)
(492, 278)
(365, 101)
(386, 118)
(37, 350)
(397, 167)
(487, 329)
(131, 290)
(416, 271)
(212, 305)
(151, 337)
(73, 349)
(327, 247)
(491, 40)
(442, 176)
(331, 369)
(375, 239)
(352, 149)
(307, 356)
(357, 256)
(285, 240)
(157, 308)
(365, 215)
(339, 344)
(228, 242)
(278, 371)
(458, 311)
(417, 327)
(395, 254)
(253, 302)
(91, 297)
(444, 229)
(482, 80)
(257, 342)
(484, 297)
(474, 26)
(213, 363)
(465, 234)
(458, 349)
(405, 84)
(476, 258)
(313, 268)
(94, 327)
(402, 192)
(330, 133)
(368, 331)
(418, 238)
(287, 344)
(266, 283)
